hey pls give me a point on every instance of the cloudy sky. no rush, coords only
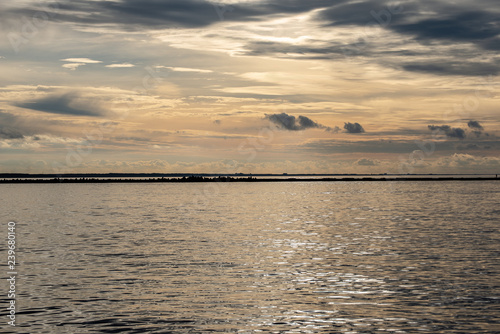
(316, 86)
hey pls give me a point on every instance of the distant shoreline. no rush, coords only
(230, 179)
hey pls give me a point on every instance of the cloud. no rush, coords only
(21, 127)
(456, 133)
(475, 125)
(31, 143)
(10, 133)
(468, 161)
(11, 126)
(72, 66)
(448, 131)
(461, 24)
(468, 147)
(372, 146)
(367, 162)
(154, 14)
(186, 69)
(328, 50)
(335, 129)
(425, 21)
(335, 146)
(74, 63)
(161, 14)
(450, 30)
(124, 65)
(306, 122)
(291, 123)
(353, 128)
(285, 121)
(446, 63)
(438, 25)
(447, 67)
(82, 60)
(71, 103)
(476, 128)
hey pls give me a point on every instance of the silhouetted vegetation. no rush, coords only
(224, 178)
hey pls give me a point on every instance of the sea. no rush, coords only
(287, 257)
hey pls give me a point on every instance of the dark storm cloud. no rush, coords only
(424, 20)
(431, 23)
(477, 128)
(448, 131)
(459, 24)
(362, 13)
(10, 133)
(441, 128)
(160, 14)
(135, 13)
(451, 64)
(353, 128)
(292, 123)
(289, 122)
(445, 67)
(12, 127)
(478, 27)
(456, 133)
(64, 104)
(475, 125)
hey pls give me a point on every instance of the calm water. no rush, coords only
(255, 258)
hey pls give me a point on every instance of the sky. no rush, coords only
(251, 86)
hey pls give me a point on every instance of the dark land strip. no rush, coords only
(192, 179)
